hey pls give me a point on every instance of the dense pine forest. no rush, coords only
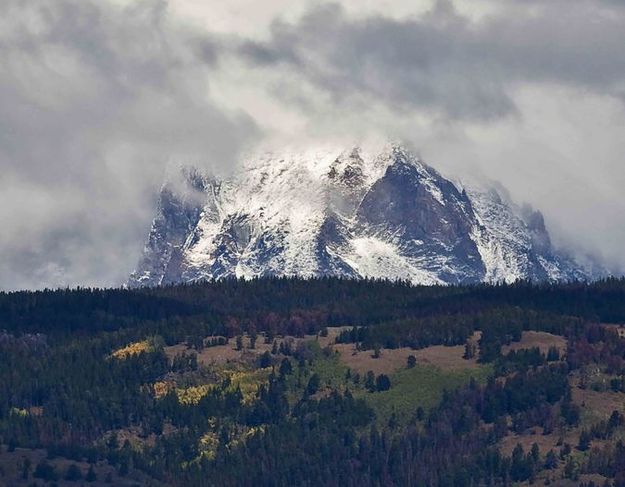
(326, 381)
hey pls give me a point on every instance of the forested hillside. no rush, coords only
(314, 382)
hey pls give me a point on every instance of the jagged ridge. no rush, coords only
(385, 215)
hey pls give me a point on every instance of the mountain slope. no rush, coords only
(351, 214)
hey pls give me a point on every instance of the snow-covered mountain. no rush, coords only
(352, 214)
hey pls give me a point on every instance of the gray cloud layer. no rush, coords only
(448, 63)
(96, 98)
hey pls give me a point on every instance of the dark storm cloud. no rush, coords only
(443, 61)
(95, 100)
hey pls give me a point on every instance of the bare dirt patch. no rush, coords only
(221, 354)
(333, 332)
(363, 361)
(540, 339)
(390, 360)
(598, 404)
(446, 358)
(544, 442)
(224, 354)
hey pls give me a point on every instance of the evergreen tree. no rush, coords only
(519, 466)
(45, 471)
(584, 441)
(469, 349)
(313, 385)
(571, 469)
(535, 453)
(411, 361)
(285, 367)
(26, 465)
(553, 354)
(265, 360)
(91, 475)
(551, 460)
(73, 473)
(382, 383)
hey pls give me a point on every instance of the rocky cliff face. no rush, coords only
(351, 214)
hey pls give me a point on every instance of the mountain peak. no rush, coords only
(346, 213)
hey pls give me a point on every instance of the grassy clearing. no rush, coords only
(595, 405)
(331, 370)
(421, 386)
(540, 339)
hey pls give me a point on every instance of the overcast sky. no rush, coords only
(98, 96)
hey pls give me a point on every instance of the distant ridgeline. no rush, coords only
(296, 306)
(327, 381)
